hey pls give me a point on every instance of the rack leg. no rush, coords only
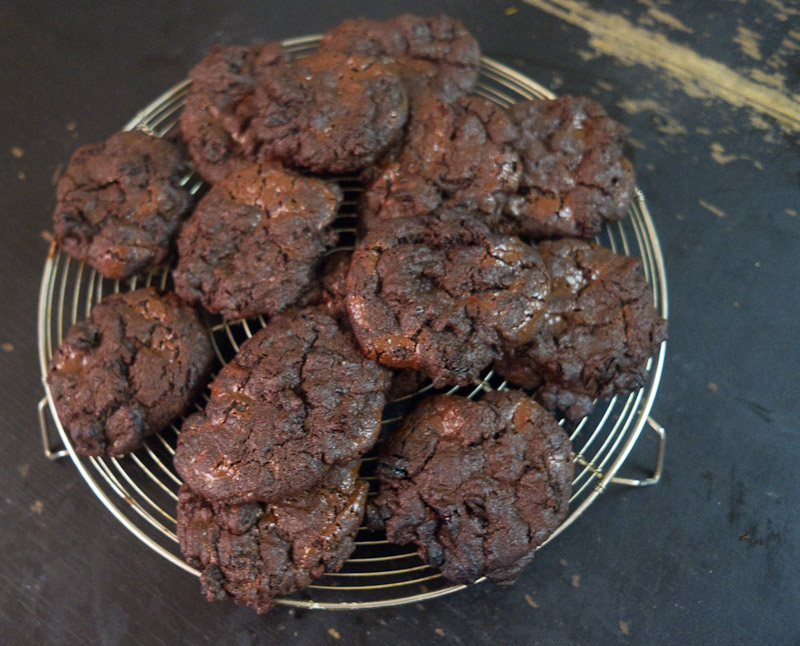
(51, 452)
(653, 479)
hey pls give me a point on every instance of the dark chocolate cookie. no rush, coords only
(455, 155)
(329, 112)
(599, 330)
(119, 203)
(331, 293)
(219, 106)
(255, 552)
(330, 288)
(436, 54)
(575, 178)
(128, 370)
(297, 398)
(443, 297)
(253, 243)
(476, 485)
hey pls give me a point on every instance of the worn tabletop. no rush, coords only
(711, 93)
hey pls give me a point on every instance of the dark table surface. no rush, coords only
(708, 556)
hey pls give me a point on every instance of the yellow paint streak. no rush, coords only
(668, 20)
(783, 12)
(719, 156)
(749, 41)
(668, 126)
(775, 80)
(714, 209)
(700, 77)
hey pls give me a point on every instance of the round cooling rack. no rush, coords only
(141, 489)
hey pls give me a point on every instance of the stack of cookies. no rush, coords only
(474, 224)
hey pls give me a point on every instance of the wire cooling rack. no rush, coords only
(140, 490)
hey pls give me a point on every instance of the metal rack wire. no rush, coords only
(140, 490)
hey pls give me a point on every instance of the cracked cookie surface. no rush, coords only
(331, 293)
(456, 155)
(574, 176)
(219, 106)
(476, 485)
(255, 552)
(253, 243)
(444, 298)
(296, 399)
(328, 112)
(128, 370)
(120, 203)
(599, 330)
(436, 54)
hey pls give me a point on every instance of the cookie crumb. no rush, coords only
(17, 152)
(37, 507)
(334, 633)
(511, 11)
(23, 469)
(20, 175)
(623, 626)
(439, 632)
(791, 212)
(46, 236)
(7, 347)
(530, 601)
(71, 126)
(576, 580)
(713, 387)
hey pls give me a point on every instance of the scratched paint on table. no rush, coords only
(698, 76)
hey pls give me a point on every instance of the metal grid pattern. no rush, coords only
(141, 489)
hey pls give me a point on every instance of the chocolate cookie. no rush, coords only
(599, 330)
(476, 485)
(330, 288)
(119, 203)
(444, 298)
(136, 363)
(329, 112)
(437, 55)
(575, 178)
(455, 155)
(253, 243)
(297, 398)
(331, 294)
(219, 106)
(255, 552)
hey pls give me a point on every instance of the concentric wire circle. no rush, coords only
(140, 490)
